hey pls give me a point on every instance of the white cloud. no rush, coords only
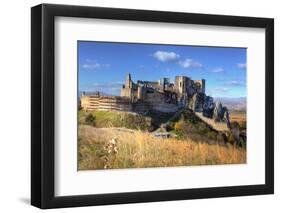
(176, 58)
(217, 69)
(91, 66)
(166, 56)
(242, 65)
(189, 63)
(94, 65)
(235, 83)
(220, 90)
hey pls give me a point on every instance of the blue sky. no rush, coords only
(103, 66)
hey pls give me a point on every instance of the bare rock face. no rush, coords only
(226, 117)
(208, 107)
(221, 113)
(239, 137)
(218, 112)
(197, 101)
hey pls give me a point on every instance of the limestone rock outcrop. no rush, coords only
(218, 112)
(208, 107)
(200, 102)
(221, 113)
(239, 137)
(197, 102)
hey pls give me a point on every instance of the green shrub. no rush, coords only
(132, 121)
(120, 119)
(90, 120)
(242, 143)
(231, 139)
(188, 124)
(202, 128)
(179, 126)
(220, 138)
(234, 124)
(212, 135)
(170, 126)
(243, 125)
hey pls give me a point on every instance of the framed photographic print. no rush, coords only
(139, 106)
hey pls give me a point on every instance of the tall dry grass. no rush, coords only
(137, 149)
(238, 116)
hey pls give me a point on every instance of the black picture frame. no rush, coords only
(43, 110)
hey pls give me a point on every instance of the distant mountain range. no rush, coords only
(233, 103)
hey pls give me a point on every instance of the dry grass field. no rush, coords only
(238, 116)
(115, 148)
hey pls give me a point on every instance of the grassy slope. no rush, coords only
(117, 119)
(138, 149)
(183, 123)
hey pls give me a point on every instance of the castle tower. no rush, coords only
(128, 90)
(200, 84)
(128, 81)
(164, 82)
(179, 84)
(203, 85)
(140, 92)
(182, 84)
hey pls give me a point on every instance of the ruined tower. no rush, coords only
(128, 83)
(183, 87)
(200, 85)
(140, 92)
(129, 89)
(182, 84)
(164, 83)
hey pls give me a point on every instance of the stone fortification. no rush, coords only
(161, 95)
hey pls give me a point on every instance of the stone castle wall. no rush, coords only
(105, 103)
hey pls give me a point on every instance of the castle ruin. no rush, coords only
(162, 96)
